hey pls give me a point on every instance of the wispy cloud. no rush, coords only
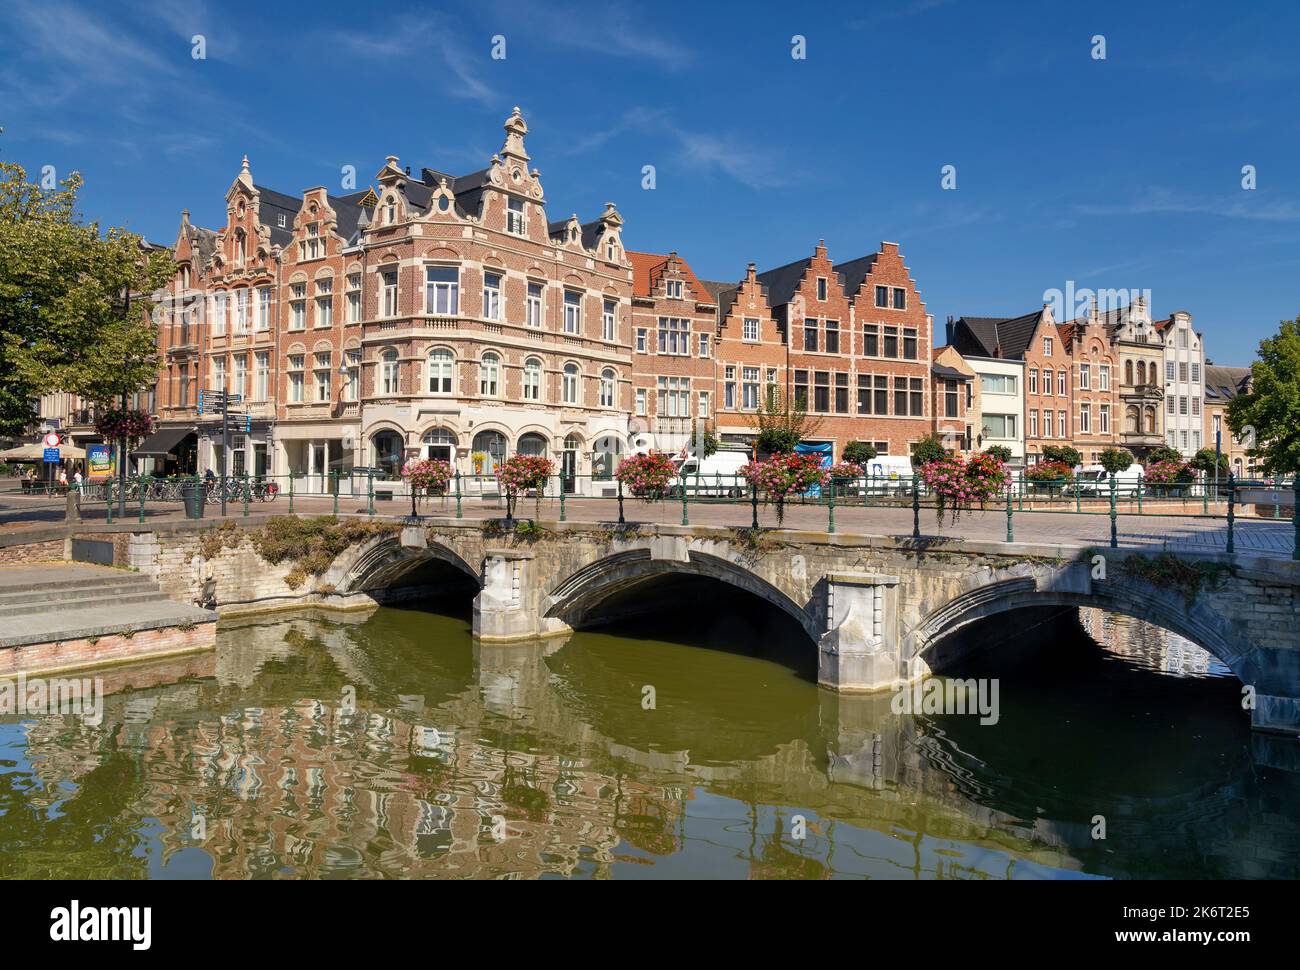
(732, 155)
(613, 29)
(1157, 200)
(416, 43)
(190, 18)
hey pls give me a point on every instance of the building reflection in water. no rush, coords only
(389, 745)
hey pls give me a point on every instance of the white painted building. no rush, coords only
(1184, 383)
(1002, 404)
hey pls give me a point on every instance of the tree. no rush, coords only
(1267, 417)
(704, 444)
(1001, 452)
(1203, 461)
(63, 322)
(782, 422)
(1063, 453)
(1164, 454)
(1116, 460)
(858, 452)
(928, 449)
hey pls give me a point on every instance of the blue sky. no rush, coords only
(1117, 173)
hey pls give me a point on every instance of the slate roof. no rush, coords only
(783, 281)
(949, 373)
(853, 272)
(1225, 383)
(272, 205)
(995, 336)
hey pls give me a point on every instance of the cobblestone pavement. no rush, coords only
(1201, 533)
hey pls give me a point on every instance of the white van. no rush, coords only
(719, 474)
(889, 473)
(1094, 481)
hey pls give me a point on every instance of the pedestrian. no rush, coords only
(63, 478)
(76, 477)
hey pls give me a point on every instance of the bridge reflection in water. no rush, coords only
(389, 744)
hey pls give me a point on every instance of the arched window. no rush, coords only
(605, 458)
(489, 381)
(532, 444)
(1151, 420)
(532, 379)
(386, 448)
(1131, 419)
(570, 384)
(1128, 372)
(442, 371)
(389, 372)
(607, 378)
(489, 451)
(440, 443)
(1142, 372)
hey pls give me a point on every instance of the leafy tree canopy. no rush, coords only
(1203, 461)
(859, 452)
(1063, 453)
(63, 325)
(1116, 460)
(782, 421)
(1267, 418)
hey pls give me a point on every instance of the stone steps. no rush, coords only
(62, 592)
(73, 601)
(87, 601)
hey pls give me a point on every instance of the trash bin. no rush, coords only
(193, 493)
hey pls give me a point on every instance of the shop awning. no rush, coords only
(162, 442)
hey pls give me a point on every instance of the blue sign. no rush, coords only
(52, 455)
(823, 452)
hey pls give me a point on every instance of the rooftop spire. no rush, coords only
(516, 128)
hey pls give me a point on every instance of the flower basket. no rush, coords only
(119, 423)
(1168, 478)
(782, 475)
(519, 473)
(959, 484)
(646, 476)
(431, 474)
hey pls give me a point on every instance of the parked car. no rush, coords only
(719, 474)
(1094, 481)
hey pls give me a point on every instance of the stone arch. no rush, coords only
(382, 561)
(982, 596)
(573, 598)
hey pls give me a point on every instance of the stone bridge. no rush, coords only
(879, 611)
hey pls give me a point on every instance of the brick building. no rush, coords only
(433, 315)
(674, 333)
(850, 340)
(1096, 401)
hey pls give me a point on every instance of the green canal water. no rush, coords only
(389, 745)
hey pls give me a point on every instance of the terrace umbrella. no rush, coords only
(36, 452)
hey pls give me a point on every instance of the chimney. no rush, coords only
(949, 330)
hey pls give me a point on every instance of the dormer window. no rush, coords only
(573, 235)
(392, 211)
(281, 219)
(674, 289)
(515, 217)
(611, 251)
